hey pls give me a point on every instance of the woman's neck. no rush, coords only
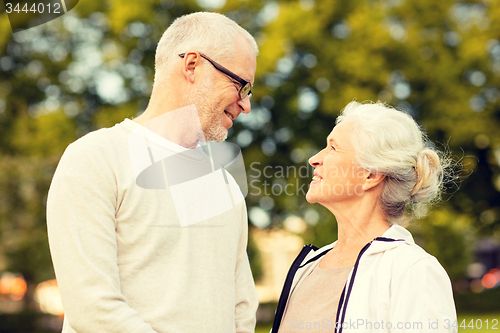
(357, 226)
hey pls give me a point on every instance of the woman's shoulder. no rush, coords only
(398, 242)
(411, 252)
(411, 259)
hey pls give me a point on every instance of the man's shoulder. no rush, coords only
(100, 146)
(103, 139)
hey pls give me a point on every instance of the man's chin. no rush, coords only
(217, 137)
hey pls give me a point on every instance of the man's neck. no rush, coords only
(181, 126)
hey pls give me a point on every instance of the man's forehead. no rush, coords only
(245, 60)
(245, 66)
(252, 67)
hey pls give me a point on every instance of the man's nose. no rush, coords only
(245, 104)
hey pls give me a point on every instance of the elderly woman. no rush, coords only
(375, 172)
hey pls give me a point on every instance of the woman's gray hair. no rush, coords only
(210, 33)
(390, 142)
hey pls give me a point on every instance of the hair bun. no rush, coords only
(429, 171)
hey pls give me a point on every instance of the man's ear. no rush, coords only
(372, 180)
(191, 61)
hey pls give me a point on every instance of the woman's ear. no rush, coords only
(372, 180)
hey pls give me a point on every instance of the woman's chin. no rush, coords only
(311, 198)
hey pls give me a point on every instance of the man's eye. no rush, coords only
(236, 83)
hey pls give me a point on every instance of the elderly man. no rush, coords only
(141, 239)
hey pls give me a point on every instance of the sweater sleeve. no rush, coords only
(81, 224)
(422, 299)
(246, 295)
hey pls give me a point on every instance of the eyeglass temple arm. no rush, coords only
(222, 69)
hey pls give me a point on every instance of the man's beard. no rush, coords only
(208, 111)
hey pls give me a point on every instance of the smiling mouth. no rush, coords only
(229, 115)
(317, 178)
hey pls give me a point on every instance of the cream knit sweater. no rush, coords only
(135, 259)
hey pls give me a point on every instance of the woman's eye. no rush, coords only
(332, 148)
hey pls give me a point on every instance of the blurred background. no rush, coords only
(439, 61)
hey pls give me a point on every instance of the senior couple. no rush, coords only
(148, 232)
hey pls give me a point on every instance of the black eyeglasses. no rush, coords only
(246, 87)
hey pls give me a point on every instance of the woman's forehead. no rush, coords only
(341, 132)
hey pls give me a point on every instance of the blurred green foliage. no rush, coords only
(437, 60)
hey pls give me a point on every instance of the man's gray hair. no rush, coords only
(210, 33)
(390, 142)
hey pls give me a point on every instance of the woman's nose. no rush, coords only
(316, 160)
